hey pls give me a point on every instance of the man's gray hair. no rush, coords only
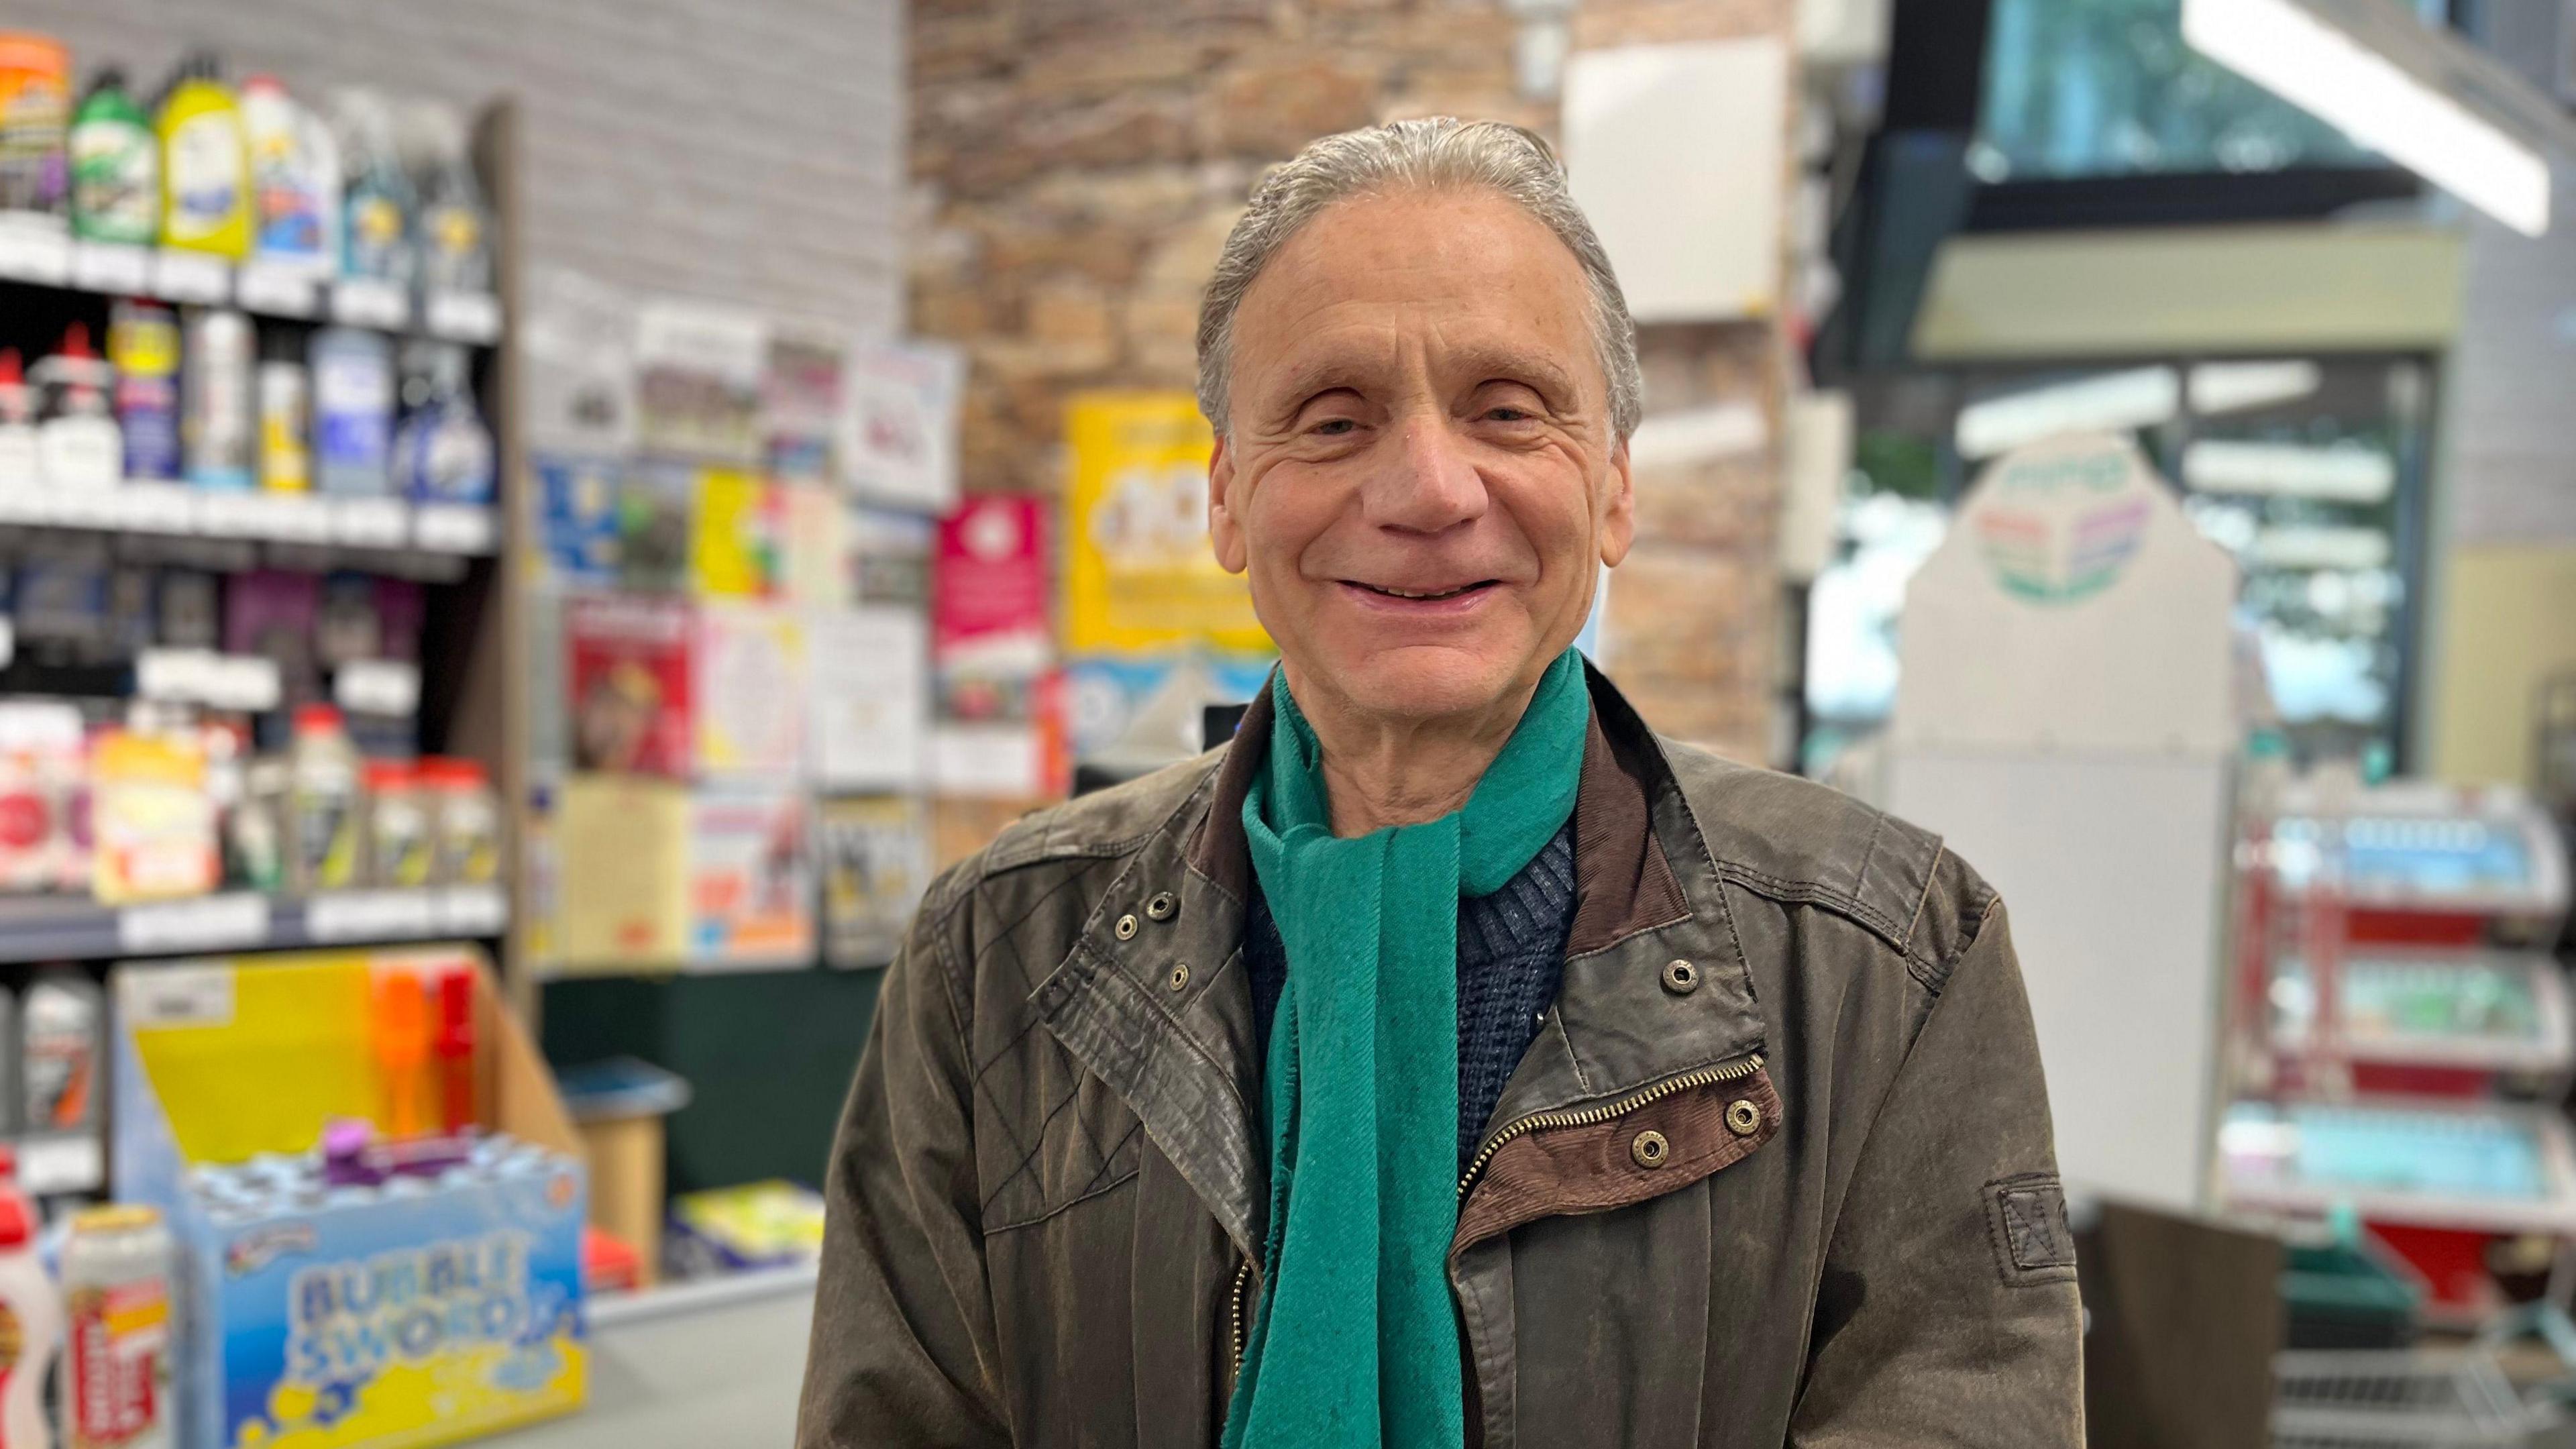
(1433, 154)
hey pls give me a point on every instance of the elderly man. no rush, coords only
(1449, 1059)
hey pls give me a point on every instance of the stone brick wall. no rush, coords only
(1077, 163)
(742, 152)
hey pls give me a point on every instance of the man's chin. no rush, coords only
(1426, 682)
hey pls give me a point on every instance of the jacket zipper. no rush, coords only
(1234, 1323)
(1544, 1121)
(1722, 1072)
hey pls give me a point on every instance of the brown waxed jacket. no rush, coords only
(1777, 1169)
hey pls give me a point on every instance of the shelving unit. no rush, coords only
(463, 691)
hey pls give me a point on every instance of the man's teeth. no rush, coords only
(1411, 594)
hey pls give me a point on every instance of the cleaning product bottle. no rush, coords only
(116, 166)
(295, 181)
(143, 348)
(65, 1017)
(77, 447)
(376, 204)
(216, 420)
(35, 97)
(19, 469)
(33, 1310)
(324, 831)
(205, 166)
(443, 453)
(353, 411)
(450, 232)
(285, 412)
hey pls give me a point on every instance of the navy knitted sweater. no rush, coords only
(1511, 958)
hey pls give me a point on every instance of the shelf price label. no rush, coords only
(36, 249)
(186, 276)
(369, 522)
(377, 686)
(111, 267)
(453, 528)
(208, 923)
(81, 508)
(337, 916)
(61, 1162)
(156, 507)
(369, 302)
(176, 995)
(462, 316)
(295, 518)
(472, 911)
(274, 290)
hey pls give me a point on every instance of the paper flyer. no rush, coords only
(734, 535)
(889, 556)
(871, 682)
(899, 438)
(697, 386)
(814, 545)
(653, 527)
(578, 336)
(1138, 573)
(622, 852)
(876, 864)
(750, 690)
(751, 877)
(801, 403)
(628, 684)
(578, 501)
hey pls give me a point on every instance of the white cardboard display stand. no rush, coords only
(2065, 719)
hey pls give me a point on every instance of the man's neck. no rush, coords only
(1381, 771)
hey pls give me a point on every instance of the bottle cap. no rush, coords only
(317, 719)
(75, 342)
(11, 375)
(116, 1217)
(14, 1228)
(385, 776)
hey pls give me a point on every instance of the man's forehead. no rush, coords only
(1469, 276)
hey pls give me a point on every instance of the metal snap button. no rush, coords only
(1162, 907)
(1180, 974)
(1743, 1118)
(1650, 1149)
(1127, 928)
(1681, 978)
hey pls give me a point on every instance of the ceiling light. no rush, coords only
(2230, 387)
(2111, 402)
(2347, 474)
(2283, 47)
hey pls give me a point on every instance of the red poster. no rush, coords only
(626, 663)
(989, 579)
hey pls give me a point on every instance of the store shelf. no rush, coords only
(291, 518)
(2471, 1166)
(2497, 1011)
(47, 258)
(62, 929)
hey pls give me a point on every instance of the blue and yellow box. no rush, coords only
(421, 1312)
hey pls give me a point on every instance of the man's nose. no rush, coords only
(1427, 483)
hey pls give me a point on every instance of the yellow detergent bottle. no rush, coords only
(205, 164)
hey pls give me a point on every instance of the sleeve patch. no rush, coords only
(2026, 1220)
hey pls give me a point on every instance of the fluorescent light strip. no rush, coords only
(2112, 402)
(2227, 387)
(2290, 52)
(2288, 470)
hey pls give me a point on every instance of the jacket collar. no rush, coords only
(1157, 1005)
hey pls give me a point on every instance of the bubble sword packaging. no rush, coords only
(327, 1310)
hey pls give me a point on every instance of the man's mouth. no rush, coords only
(1389, 591)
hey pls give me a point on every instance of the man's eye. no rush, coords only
(1507, 415)
(1336, 427)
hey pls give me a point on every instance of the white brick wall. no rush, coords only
(744, 151)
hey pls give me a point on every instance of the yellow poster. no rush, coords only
(1138, 574)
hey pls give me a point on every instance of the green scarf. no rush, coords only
(1356, 1342)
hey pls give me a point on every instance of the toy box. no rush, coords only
(423, 1311)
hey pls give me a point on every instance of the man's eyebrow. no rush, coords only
(1535, 369)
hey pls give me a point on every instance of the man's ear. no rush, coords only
(1619, 517)
(1224, 533)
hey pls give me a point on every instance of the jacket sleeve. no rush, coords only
(1947, 1312)
(903, 1342)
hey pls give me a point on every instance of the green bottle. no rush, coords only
(116, 165)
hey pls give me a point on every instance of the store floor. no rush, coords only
(690, 1367)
